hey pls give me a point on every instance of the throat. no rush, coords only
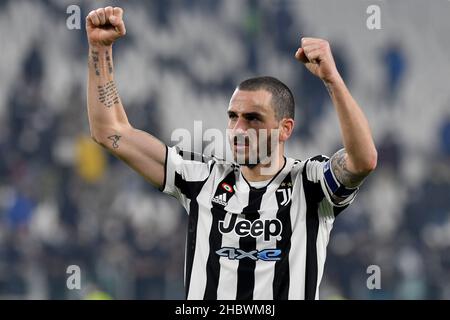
(261, 173)
(259, 184)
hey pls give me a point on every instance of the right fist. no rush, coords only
(104, 26)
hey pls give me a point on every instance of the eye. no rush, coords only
(251, 118)
(232, 116)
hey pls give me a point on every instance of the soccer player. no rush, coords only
(251, 235)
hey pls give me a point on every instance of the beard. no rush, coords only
(252, 161)
(250, 165)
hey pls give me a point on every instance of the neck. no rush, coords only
(262, 172)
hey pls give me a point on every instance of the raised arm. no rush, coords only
(359, 156)
(108, 122)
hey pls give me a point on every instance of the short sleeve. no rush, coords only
(184, 173)
(318, 170)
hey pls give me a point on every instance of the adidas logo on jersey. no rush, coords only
(220, 199)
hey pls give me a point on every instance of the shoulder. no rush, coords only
(319, 158)
(308, 162)
(220, 165)
(310, 168)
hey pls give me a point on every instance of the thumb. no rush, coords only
(301, 56)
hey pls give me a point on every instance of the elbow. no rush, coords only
(104, 136)
(370, 163)
(96, 135)
(97, 140)
(100, 140)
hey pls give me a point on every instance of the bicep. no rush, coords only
(140, 150)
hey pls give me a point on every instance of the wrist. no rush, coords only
(334, 83)
(99, 47)
(100, 60)
(334, 80)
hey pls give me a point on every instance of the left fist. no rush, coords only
(316, 55)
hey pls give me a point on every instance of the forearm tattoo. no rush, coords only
(107, 94)
(344, 176)
(108, 61)
(115, 140)
(95, 62)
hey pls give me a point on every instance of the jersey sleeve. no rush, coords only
(185, 173)
(318, 170)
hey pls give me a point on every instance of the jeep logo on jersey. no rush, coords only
(256, 229)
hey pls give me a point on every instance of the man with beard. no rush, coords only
(258, 227)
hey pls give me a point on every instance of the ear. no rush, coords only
(286, 128)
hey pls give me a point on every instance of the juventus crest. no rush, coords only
(286, 193)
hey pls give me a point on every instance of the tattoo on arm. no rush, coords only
(95, 62)
(107, 94)
(108, 61)
(115, 140)
(344, 176)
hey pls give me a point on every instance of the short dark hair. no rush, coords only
(282, 97)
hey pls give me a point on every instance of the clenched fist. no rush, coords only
(104, 26)
(316, 55)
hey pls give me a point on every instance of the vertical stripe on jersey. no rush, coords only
(215, 236)
(246, 268)
(190, 189)
(281, 276)
(313, 195)
(297, 252)
(227, 286)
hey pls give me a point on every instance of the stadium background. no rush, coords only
(63, 201)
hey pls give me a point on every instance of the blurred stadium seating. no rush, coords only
(64, 201)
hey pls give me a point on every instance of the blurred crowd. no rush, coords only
(64, 201)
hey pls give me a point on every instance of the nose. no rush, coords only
(240, 127)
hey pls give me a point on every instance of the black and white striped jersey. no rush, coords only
(254, 243)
